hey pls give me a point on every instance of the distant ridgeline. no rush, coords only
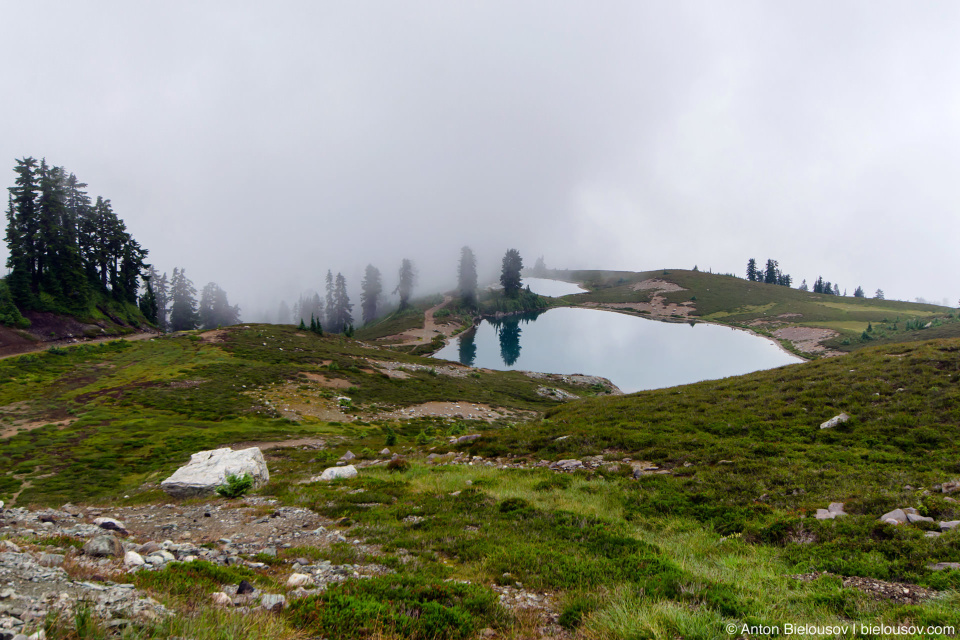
(66, 255)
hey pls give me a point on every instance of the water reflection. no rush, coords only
(467, 347)
(635, 353)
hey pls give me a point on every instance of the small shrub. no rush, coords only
(398, 464)
(235, 486)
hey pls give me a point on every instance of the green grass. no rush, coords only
(139, 409)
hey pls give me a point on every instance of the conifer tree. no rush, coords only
(467, 276)
(183, 312)
(148, 303)
(752, 270)
(371, 288)
(510, 272)
(408, 277)
(215, 310)
(329, 307)
(858, 292)
(343, 316)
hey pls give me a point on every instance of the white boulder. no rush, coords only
(299, 580)
(207, 470)
(133, 559)
(338, 473)
(834, 421)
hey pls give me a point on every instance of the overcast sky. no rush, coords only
(258, 144)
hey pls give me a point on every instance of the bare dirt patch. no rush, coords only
(464, 410)
(11, 430)
(309, 443)
(400, 370)
(660, 285)
(324, 381)
(214, 336)
(807, 339)
(656, 308)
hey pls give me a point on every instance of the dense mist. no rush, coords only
(258, 146)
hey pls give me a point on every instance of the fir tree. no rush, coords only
(343, 316)
(148, 302)
(510, 273)
(329, 307)
(183, 312)
(407, 278)
(752, 270)
(371, 288)
(467, 276)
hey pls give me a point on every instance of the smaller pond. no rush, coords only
(552, 288)
(634, 353)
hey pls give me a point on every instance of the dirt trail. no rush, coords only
(429, 330)
(44, 346)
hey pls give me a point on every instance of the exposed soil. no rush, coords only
(464, 410)
(430, 329)
(808, 339)
(329, 383)
(656, 308)
(660, 285)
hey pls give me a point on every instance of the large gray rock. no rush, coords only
(834, 421)
(897, 516)
(207, 470)
(338, 473)
(949, 524)
(103, 547)
(834, 510)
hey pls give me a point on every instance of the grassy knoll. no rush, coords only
(765, 307)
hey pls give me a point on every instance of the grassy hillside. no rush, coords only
(713, 532)
(121, 414)
(765, 308)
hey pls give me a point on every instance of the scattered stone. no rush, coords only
(133, 559)
(468, 438)
(944, 566)
(950, 487)
(337, 473)
(111, 524)
(273, 602)
(245, 587)
(912, 517)
(834, 421)
(221, 599)
(148, 547)
(567, 465)
(103, 547)
(897, 516)
(348, 456)
(208, 470)
(385, 452)
(931, 534)
(51, 559)
(270, 551)
(947, 526)
(299, 580)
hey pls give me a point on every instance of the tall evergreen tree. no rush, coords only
(343, 316)
(183, 311)
(408, 278)
(148, 302)
(162, 291)
(371, 288)
(331, 312)
(467, 276)
(770, 273)
(22, 233)
(878, 295)
(858, 292)
(803, 286)
(510, 272)
(752, 270)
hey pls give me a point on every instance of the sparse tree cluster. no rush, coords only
(215, 310)
(770, 275)
(826, 287)
(62, 248)
(467, 277)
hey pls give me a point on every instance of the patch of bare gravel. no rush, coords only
(807, 339)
